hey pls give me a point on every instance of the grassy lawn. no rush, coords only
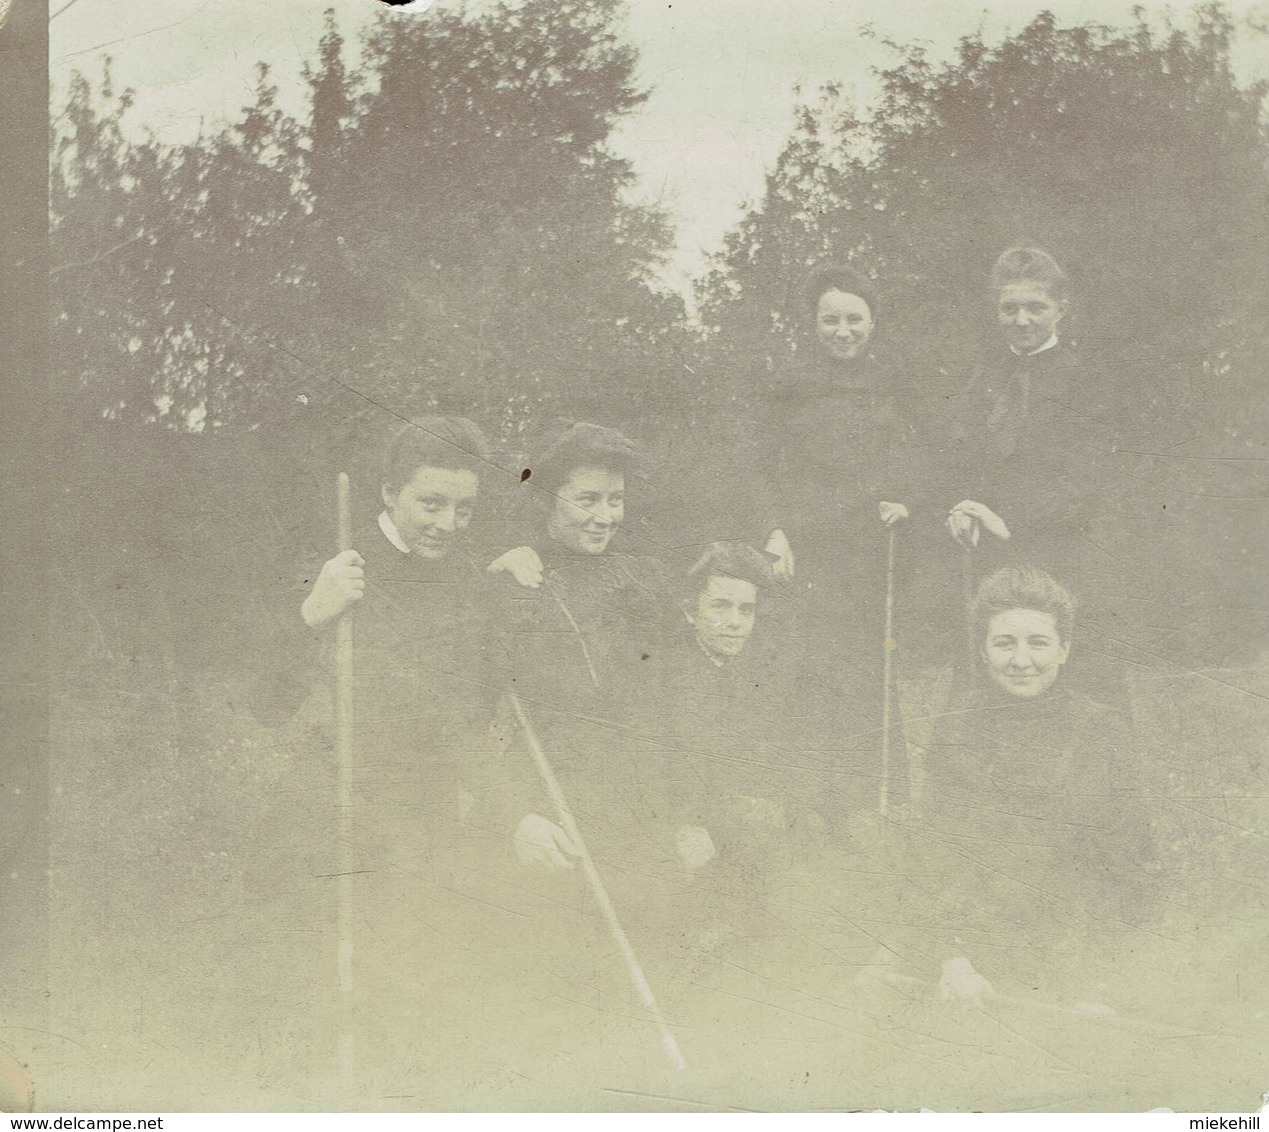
(192, 946)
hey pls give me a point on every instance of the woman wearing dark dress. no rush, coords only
(580, 607)
(408, 832)
(417, 590)
(740, 793)
(715, 702)
(1030, 836)
(842, 453)
(1036, 470)
(1035, 439)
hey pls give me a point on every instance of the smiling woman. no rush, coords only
(429, 483)
(1023, 619)
(1023, 652)
(1031, 298)
(580, 481)
(842, 454)
(843, 324)
(577, 617)
(588, 509)
(574, 601)
(1037, 439)
(1032, 819)
(432, 508)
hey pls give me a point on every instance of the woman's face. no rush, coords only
(587, 510)
(1028, 315)
(723, 615)
(1024, 652)
(843, 325)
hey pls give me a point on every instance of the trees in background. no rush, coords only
(168, 261)
(487, 234)
(447, 229)
(448, 226)
(1132, 155)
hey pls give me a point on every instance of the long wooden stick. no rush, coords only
(887, 666)
(345, 754)
(596, 882)
(967, 599)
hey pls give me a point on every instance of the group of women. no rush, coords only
(738, 716)
(1000, 467)
(857, 681)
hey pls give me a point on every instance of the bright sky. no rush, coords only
(722, 72)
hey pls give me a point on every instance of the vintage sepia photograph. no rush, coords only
(625, 556)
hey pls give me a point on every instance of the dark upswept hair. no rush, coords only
(434, 442)
(1023, 587)
(579, 444)
(1030, 265)
(727, 560)
(833, 276)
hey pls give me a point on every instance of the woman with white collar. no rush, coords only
(1034, 438)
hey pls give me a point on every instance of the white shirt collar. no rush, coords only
(390, 532)
(1053, 341)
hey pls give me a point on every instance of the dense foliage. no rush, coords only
(448, 228)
